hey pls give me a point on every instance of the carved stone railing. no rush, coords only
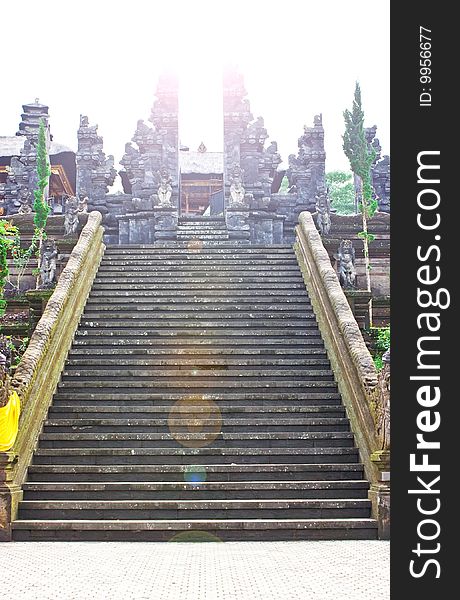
(39, 371)
(351, 362)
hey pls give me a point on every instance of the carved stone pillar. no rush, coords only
(151, 168)
(307, 172)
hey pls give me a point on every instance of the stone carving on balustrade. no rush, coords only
(48, 258)
(71, 212)
(323, 212)
(382, 408)
(306, 172)
(95, 170)
(346, 265)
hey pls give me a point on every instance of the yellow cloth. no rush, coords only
(9, 419)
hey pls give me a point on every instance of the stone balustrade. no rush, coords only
(351, 361)
(38, 374)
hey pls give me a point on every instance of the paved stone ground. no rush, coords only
(342, 570)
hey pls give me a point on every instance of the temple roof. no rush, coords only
(201, 162)
(12, 146)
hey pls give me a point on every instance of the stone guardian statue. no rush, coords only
(165, 189)
(48, 256)
(71, 216)
(323, 212)
(238, 196)
(346, 265)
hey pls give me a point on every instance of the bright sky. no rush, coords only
(102, 58)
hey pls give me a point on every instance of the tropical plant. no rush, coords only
(361, 155)
(8, 236)
(341, 191)
(21, 256)
(382, 337)
(284, 187)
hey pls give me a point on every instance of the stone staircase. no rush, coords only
(197, 403)
(202, 229)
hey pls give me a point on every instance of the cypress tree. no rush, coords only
(361, 156)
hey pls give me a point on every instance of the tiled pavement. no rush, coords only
(342, 570)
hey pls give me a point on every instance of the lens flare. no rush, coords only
(195, 536)
(195, 422)
(195, 245)
(195, 474)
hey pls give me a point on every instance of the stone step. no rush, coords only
(227, 399)
(194, 420)
(241, 362)
(208, 254)
(189, 223)
(195, 530)
(216, 294)
(103, 339)
(153, 330)
(198, 328)
(197, 239)
(199, 260)
(175, 491)
(216, 228)
(191, 226)
(115, 412)
(185, 269)
(195, 456)
(196, 386)
(146, 248)
(194, 509)
(189, 288)
(202, 224)
(200, 354)
(243, 310)
(181, 473)
(190, 318)
(248, 375)
(192, 230)
(200, 219)
(203, 277)
(195, 302)
(280, 439)
(196, 244)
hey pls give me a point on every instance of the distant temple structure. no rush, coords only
(164, 182)
(201, 181)
(18, 164)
